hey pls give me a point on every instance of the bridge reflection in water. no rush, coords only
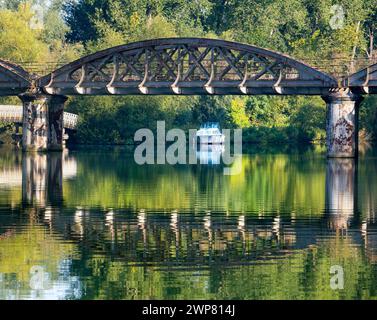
(341, 190)
(194, 239)
(42, 186)
(41, 177)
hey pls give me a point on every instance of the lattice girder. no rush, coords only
(186, 66)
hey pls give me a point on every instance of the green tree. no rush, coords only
(90, 20)
(238, 113)
(19, 42)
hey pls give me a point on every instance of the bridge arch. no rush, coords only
(186, 66)
(13, 79)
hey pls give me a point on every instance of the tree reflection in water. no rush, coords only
(102, 227)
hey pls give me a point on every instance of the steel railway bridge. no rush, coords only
(185, 66)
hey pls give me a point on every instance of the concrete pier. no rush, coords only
(55, 130)
(342, 124)
(42, 122)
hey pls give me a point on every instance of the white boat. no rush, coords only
(210, 133)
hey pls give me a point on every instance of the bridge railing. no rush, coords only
(70, 120)
(11, 113)
(340, 68)
(337, 67)
(41, 69)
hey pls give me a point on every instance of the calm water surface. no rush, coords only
(92, 224)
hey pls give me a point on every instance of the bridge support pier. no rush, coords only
(42, 128)
(342, 124)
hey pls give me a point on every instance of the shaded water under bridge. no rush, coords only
(185, 66)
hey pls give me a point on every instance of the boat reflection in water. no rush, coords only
(209, 153)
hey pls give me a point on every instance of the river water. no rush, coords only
(92, 224)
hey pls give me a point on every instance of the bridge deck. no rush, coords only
(13, 113)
